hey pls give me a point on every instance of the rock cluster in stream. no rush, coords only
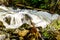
(16, 25)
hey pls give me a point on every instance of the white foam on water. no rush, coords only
(39, 18)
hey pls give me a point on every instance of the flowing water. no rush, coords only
(39, 18)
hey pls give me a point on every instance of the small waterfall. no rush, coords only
(39, 18)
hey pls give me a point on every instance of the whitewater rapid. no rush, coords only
(39, 18)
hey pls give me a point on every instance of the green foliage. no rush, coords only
(51, 5)
(56, 24)
(45, 34)
(34, 1)
(43, 6)
(46, 1)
